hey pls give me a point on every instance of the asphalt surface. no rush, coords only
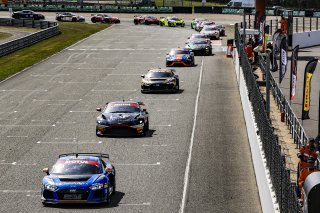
(195, 158)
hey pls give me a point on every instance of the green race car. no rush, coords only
(171, 21)
(196, 21)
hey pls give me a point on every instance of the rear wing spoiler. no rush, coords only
(99, 155)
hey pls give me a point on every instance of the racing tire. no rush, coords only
(161, 24)
(93, 20)
(135, 22)
(177, 88)
(182, 25)
(97, 134)
(74, 19)
(147, 23)
(147, 126)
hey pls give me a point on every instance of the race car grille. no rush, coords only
(47, 194)
(159, 87)
(84, 179)
(119, 130)
(179, 24)
(81, 194)
(99, 194)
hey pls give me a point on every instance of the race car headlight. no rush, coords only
(102, 122)
(170, 81)
(96, 186)
(170, 57)
(50, 187)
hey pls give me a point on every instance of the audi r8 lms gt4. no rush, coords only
(195, 21)
(79, 178)
(122, 118)
(211, 31)
(27, 14)
(72, 17)
(104, 18)
(160, 80)
(145, 19)
(200, 47)
(171, 21)
(180, 56)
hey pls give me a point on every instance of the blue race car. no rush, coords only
(180, 56)
(79, 178)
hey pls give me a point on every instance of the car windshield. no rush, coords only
(159, 75)
(207, 23)
(199, 36)
(122, 108)
(174, 18)
(210, 28)
(75, 167)
(106, 15)
(173, 52)
(199, 42)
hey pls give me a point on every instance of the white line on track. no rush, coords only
(17, 136)
(188, 164)
(56, 104)
(8, 112)
(24, 125)
(134, 204)
(47, 100)
(69, 142)
(22, 90)
(145, 53)
(78, 82)
(66, 122)
(39, 120)
(162, 125)
(113, 90)
(20, 191)
(159, 99)
(18, 164)
(68, 63)
(166, 110)
(82, 111)
(65, 138)
(33, 75)
(137, 164)
(137, 62)
(155, 145)
(124, 74)
(105, 68)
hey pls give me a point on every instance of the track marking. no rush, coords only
(156, 145)
(33, 75)
(125, 74)
(67, 63)
(188, 164)
(47, 100)
(19, 191)
(159, 99)
(22, 90)
(56, 104)
(114, 90)
(26, 125)
(162, 125)
(137, 164)
(166, 110)
(69, 142)
(8, 112)
(18, 164)
(137, 62)
(78, 82)
(118, 49)
(66, 122)
(106, 68)
(17, 136)
(82, 112)
(145, 53)
(134, 204)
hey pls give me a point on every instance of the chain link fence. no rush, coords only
(284, 189)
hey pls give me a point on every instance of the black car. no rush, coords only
(200, 47)
(160, 80)
(27, 14)
(122, 119)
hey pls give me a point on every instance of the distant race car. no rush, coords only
(160, 80)
(200, 47)
(194, 22)
(197, 36)
(104, 18)
(204, 24)
(122, 118)
(171, 21)
(145, 19)
(180, 56)
(211, 31)
(72, 17)
(27, 14)
(221, 29)
(79, 178)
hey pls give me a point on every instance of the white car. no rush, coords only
(211, 31)
(204, 24)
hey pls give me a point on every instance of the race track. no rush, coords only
(195, 158)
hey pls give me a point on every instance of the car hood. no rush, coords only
(156, 80)
(178, 56)
(121, 117)
(71, 180)
(197, 46)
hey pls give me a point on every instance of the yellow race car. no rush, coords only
(171, 21)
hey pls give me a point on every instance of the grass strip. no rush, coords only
(21, 59)
(5, 35)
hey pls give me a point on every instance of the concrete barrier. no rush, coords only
(306, 39)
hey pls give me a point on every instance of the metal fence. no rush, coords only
(284, 189)
(50, 29)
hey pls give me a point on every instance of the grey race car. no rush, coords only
(200, 47)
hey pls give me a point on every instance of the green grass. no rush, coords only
(71, 33)
(5, 35)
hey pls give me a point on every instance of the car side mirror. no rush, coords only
(188, 37)
(98, 109)
(142, 76)
(46, 170)
(167, 53)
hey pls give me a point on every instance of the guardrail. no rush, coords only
(284, 189)
(50, 29)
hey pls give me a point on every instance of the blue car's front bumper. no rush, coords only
(72, 195)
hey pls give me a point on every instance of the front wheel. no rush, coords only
(177, 87)
(161, 24)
